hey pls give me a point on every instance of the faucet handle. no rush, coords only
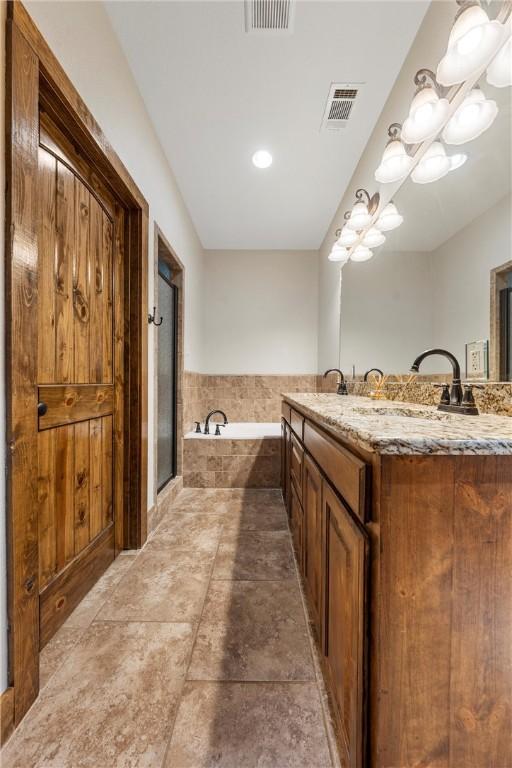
(198, 427)
(468, 398)
(445, 392)
(217, 429)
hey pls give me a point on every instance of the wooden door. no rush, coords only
(313, 541)
(75, 377)
(346, 555)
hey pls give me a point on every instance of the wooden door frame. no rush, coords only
(31, 68)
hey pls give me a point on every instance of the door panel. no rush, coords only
(313, 545)
(346, 556)
(75, 387)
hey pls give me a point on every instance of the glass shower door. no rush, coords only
(166, 433)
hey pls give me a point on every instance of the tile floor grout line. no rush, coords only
(185, 680)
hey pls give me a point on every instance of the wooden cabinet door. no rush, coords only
(313, 539)
(79, 380)
(297, 526)
(285, 463)
(346, 556)
(296, 462)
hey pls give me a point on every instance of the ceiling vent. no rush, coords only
(340, 105)
(269, 16)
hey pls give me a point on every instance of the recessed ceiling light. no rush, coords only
(262, 158)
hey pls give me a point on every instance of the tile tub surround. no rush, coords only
(388, 427)
(238, 463)
(147, 678)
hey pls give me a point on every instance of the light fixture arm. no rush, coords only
(395, 132)
(425, 78)
(372, 203)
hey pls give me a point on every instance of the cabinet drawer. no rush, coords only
(285, 412)
(296, 464)
(297, 423)
(346, 472)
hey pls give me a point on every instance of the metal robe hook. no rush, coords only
(151, 319)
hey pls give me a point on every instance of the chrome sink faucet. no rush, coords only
(207, 422)
(453, 399)
(342, 384)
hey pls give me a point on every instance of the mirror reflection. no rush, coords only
(443, 278)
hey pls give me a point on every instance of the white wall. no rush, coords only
(460, 285)
(386, 312)
(81, 36)
(260, 312)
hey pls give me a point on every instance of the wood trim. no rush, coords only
(69, 403)
(6, 714)
(33, 73)
(496, 282)
(21, 366)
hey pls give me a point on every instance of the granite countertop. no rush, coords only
(392, 427)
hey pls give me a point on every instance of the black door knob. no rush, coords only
(41, 409)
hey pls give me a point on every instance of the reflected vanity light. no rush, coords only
(373, 238)
(395, 163)
(338, 253)
(427, 113)
(435, 164)
(474, 116)
(499, 71)
(389, 218)
(361, 253)
(473, 39)
(348, 237)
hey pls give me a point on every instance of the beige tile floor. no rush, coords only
(193, 653)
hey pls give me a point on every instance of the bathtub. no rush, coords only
(245, 455)
(240, 431)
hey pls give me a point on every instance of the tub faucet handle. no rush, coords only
(217, 429)
(198, 427)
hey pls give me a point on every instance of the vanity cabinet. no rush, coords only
(406, 562)
(344, 621)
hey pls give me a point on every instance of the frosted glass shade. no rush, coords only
(338, 254)
(472, 41)
(373, 238)
(474, 116)
(499, 71)
(389, 218)
(426, 116)
(361, 253)
(395, 163)
(435, 164)
(347, 238)
(359, 217)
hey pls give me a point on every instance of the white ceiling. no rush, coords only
(216, 94)
(433, 213)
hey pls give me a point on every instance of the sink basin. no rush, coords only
(411, 413)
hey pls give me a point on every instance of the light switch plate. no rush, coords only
(477, 359)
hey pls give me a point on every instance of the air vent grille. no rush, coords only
(340, 104)
(269, 16)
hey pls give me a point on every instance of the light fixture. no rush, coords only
(348, 237)
(499, 71)
(373, 238)
(395, 163)
(389, 218)
(473, 39)
(474, 116)
(427, 113)
(361, 253)
(338, 253)
(262, 159)
(435, 164)
(363, 210)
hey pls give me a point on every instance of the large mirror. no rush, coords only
(443, 278)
